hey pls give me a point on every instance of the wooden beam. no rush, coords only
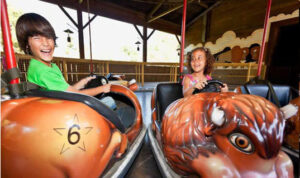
(155, 9)
(139, 32)
(203, 4)
(203, 13)
(68, 15)
(89, 21)
(204, 24)
(208, 23)
(178, 39)
(150, 34)
(145, 44)
(114, 11)
(80, 34)
(167, 12)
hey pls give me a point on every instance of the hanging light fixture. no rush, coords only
(178, 51)
(68, 31)
(138, 45)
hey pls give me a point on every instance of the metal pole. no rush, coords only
(90, 38)
(7, 42)
(261, 53)
(182, 38)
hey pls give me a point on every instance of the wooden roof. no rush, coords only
(152, 13)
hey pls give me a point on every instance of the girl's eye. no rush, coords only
(241, 142)
(197, 58)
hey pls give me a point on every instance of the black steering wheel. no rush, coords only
(98, 81)
(212, 86)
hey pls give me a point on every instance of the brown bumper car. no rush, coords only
(280, 95)
(218, 134)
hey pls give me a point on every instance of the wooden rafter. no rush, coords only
(155, 9)
(178, 39)
(68, 15)
(89, 21)
(113, 11)
(203, 13)
(139, 32)
(203, 4)
(166, 12)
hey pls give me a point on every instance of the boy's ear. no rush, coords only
(27, 49)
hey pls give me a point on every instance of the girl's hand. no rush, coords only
(200, 85)
(225, 88)
(79, 85)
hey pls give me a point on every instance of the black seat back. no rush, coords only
(284, 93)
(90, 101)
(166, 93)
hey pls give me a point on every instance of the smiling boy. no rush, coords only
(37, 37)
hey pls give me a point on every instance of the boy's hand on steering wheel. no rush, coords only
(81, 84)
(105, 88)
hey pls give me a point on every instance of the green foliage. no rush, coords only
(13, 16)
(130, 53)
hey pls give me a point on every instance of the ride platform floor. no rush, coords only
(144, 165)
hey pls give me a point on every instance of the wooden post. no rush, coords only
(182, 38)
(143, 64)
(145, 44)
(171, 73)
(138, 72)
(65, 70)
(249, 72)
(107, 67)
(80, 34)
(175, 73)
(102, 68)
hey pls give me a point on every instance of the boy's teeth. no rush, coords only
(45, 51)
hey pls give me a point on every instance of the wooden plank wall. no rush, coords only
(240, 16)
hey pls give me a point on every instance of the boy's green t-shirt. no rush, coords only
(50, 78)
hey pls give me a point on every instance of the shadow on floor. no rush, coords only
(144, 166)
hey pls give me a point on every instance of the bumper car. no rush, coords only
(280, 95)
(59, 134)
(212, 134)
(64, 134)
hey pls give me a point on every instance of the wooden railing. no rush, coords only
(75, 69)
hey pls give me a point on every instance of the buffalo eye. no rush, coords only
(241, 142)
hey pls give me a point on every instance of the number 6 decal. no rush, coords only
(74, 134)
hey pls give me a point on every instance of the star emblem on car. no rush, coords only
(74, 135)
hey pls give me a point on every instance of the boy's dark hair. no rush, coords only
(29, 25)
(209, 60)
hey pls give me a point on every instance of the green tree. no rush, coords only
(130, 53)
